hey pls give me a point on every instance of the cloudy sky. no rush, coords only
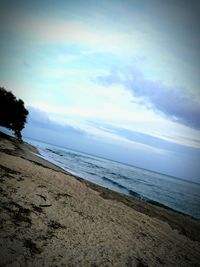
(119, 79)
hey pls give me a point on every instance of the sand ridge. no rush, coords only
(51, 218)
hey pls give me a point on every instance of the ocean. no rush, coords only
(180, 195)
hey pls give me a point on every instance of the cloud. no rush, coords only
(41, 126)
(174, 102)
(40, 119)
(157, 142)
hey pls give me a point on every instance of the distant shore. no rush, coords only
(51, 217)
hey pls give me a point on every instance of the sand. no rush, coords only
(49, 217)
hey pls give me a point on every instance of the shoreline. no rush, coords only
(137, 167)
(123, 195)
(43, 192)
(54, 166)
(133, 194)
(47, 163)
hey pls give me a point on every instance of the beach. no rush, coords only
(52, 218)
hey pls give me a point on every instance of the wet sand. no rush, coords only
(49, 217)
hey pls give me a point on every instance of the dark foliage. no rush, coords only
(12, 112)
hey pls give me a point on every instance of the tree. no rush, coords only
(13, 114)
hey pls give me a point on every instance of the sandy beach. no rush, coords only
(51, 218)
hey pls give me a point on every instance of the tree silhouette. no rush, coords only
(12, 112)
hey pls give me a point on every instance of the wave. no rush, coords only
(129, 191)
(54, 152)
(137, 195)
(120, 176)
(113, 182)
(94, 166)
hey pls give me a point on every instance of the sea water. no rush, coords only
(175, 193)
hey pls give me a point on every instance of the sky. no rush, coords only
(117, 79)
